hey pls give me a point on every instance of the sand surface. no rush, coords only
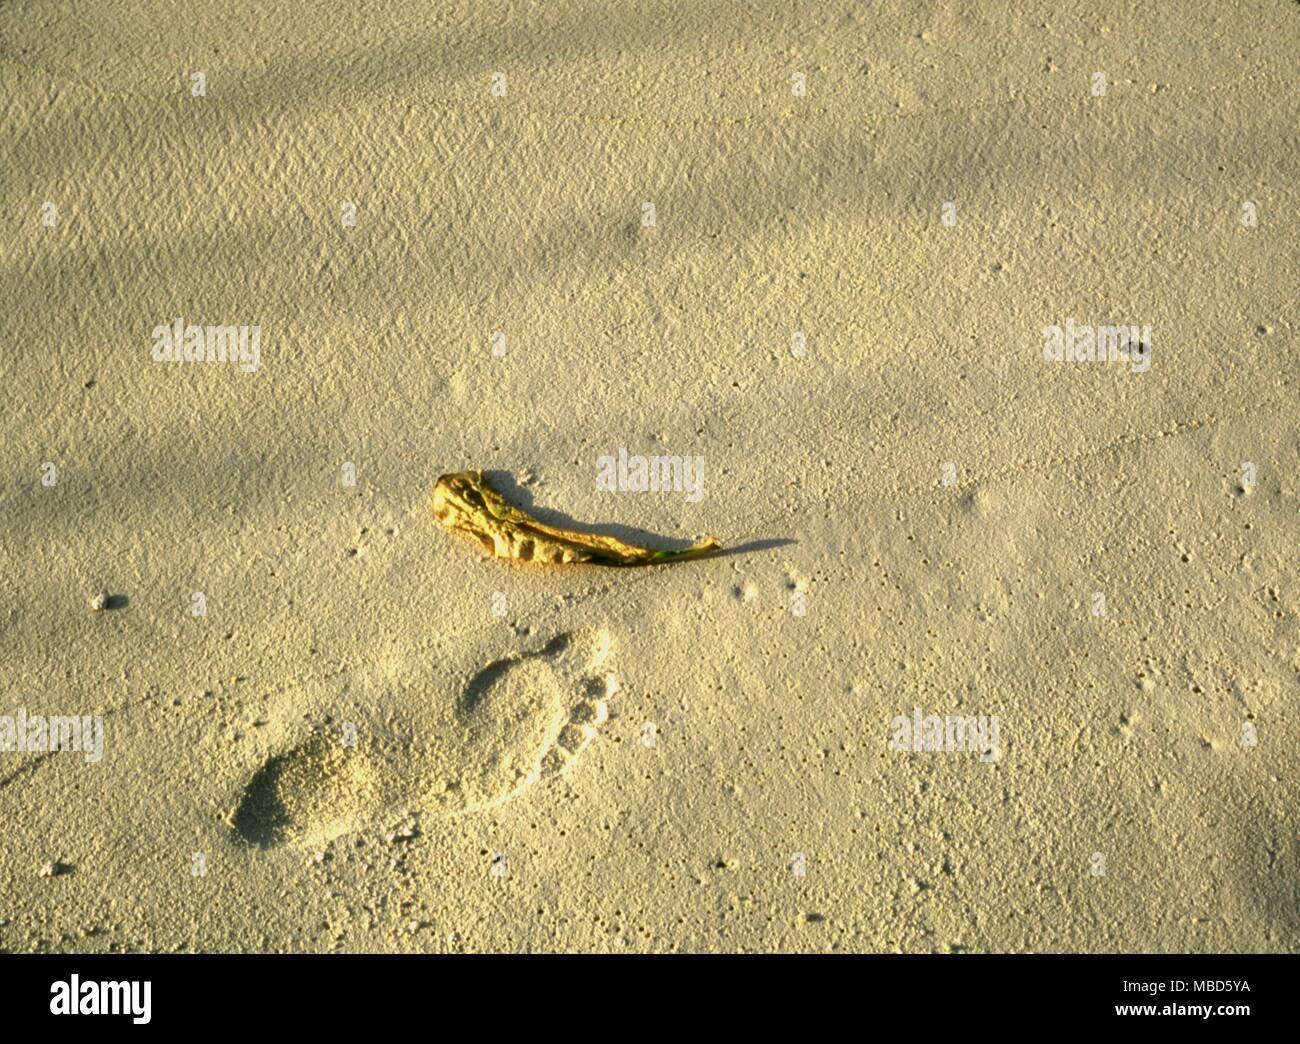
(374, 737)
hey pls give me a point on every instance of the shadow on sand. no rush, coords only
(504, 483)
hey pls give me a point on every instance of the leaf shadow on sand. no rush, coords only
(504, 483)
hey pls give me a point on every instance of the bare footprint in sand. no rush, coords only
(519, 720)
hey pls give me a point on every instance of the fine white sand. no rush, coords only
(376, 738)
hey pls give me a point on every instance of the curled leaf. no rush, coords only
(465, 500)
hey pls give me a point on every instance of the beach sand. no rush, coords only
(331, 724)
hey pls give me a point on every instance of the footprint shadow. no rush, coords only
(261, 818)
(485, 680)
